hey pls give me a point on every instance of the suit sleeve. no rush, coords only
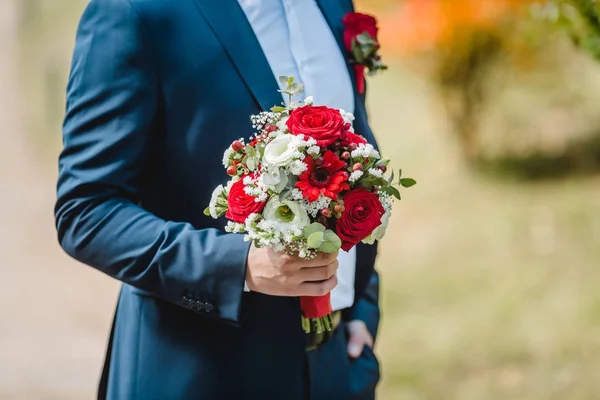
(366, 308)
(112, 103)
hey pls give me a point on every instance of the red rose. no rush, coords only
(349, 138)
(240, 204)
(357, 23)
(362, 214)
(321, 123)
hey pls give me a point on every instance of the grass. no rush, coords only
(490, 289)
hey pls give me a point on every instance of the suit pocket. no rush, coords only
(364, 375)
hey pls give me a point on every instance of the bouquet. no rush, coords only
(306, 183)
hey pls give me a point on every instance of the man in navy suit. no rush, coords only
(158, 89)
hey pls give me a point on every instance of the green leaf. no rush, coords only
(312, 228)
(278, 109)
(364, 39)
(407, 182)
(284, 80)
(392, 191)
(207, 211)
(399, 174)
(391, 178)
(331, 242)
(315, 240)
(290, 81)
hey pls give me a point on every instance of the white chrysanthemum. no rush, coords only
(214, 199)
(355, 175)
(379, 232)
(366, 151)
(281, 124)
(376, 172)
(314, 207)
(313, 150)
(348, 117)
(227, 156)
(297, 167)
(288, 214)
(235, 227)
(282, 150)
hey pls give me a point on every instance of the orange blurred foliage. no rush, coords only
(411, 26)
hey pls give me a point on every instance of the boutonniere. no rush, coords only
(360, 39)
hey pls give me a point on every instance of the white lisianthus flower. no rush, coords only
(281, 151)
(379, 232)
(288, 214)
(309, 100)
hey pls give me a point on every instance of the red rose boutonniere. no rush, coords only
(360, 39)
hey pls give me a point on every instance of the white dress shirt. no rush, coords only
(297, 41)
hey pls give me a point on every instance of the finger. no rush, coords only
(317, 288)
(356, 344)
(320, 260)
(318, 274)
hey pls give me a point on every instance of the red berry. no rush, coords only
(382, 168)
(232, 170)
(326, 212)
(237, 145)
(357, 167)
(352, 146)
(338, 208)
(346, 155)
(270, 128)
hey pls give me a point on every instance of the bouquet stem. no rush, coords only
(316, 314)
(317, 325)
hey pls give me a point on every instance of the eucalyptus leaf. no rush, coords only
(296, 88)
(312, 228)
(284, 80)
(251, 163)
(315, 240)
(408, 182)
(364, 39)
(331, 242)
(250, 151)
(357, 52)
(207, 211)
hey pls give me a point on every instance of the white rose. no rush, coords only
(379, 232)
(287, 213)
(281, 151)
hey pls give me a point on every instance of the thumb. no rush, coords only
(355, 345)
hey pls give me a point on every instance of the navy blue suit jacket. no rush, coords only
(157, 90)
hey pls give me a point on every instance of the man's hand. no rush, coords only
(359, 337)
(279, 274)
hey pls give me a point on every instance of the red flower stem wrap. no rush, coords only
(359, 70)
(315, 307)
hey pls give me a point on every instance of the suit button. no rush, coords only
(186, 302)
(208, 307)
(199, 305)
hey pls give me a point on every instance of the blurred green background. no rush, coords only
(490, 266)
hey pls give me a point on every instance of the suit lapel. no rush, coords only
(228, 21)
